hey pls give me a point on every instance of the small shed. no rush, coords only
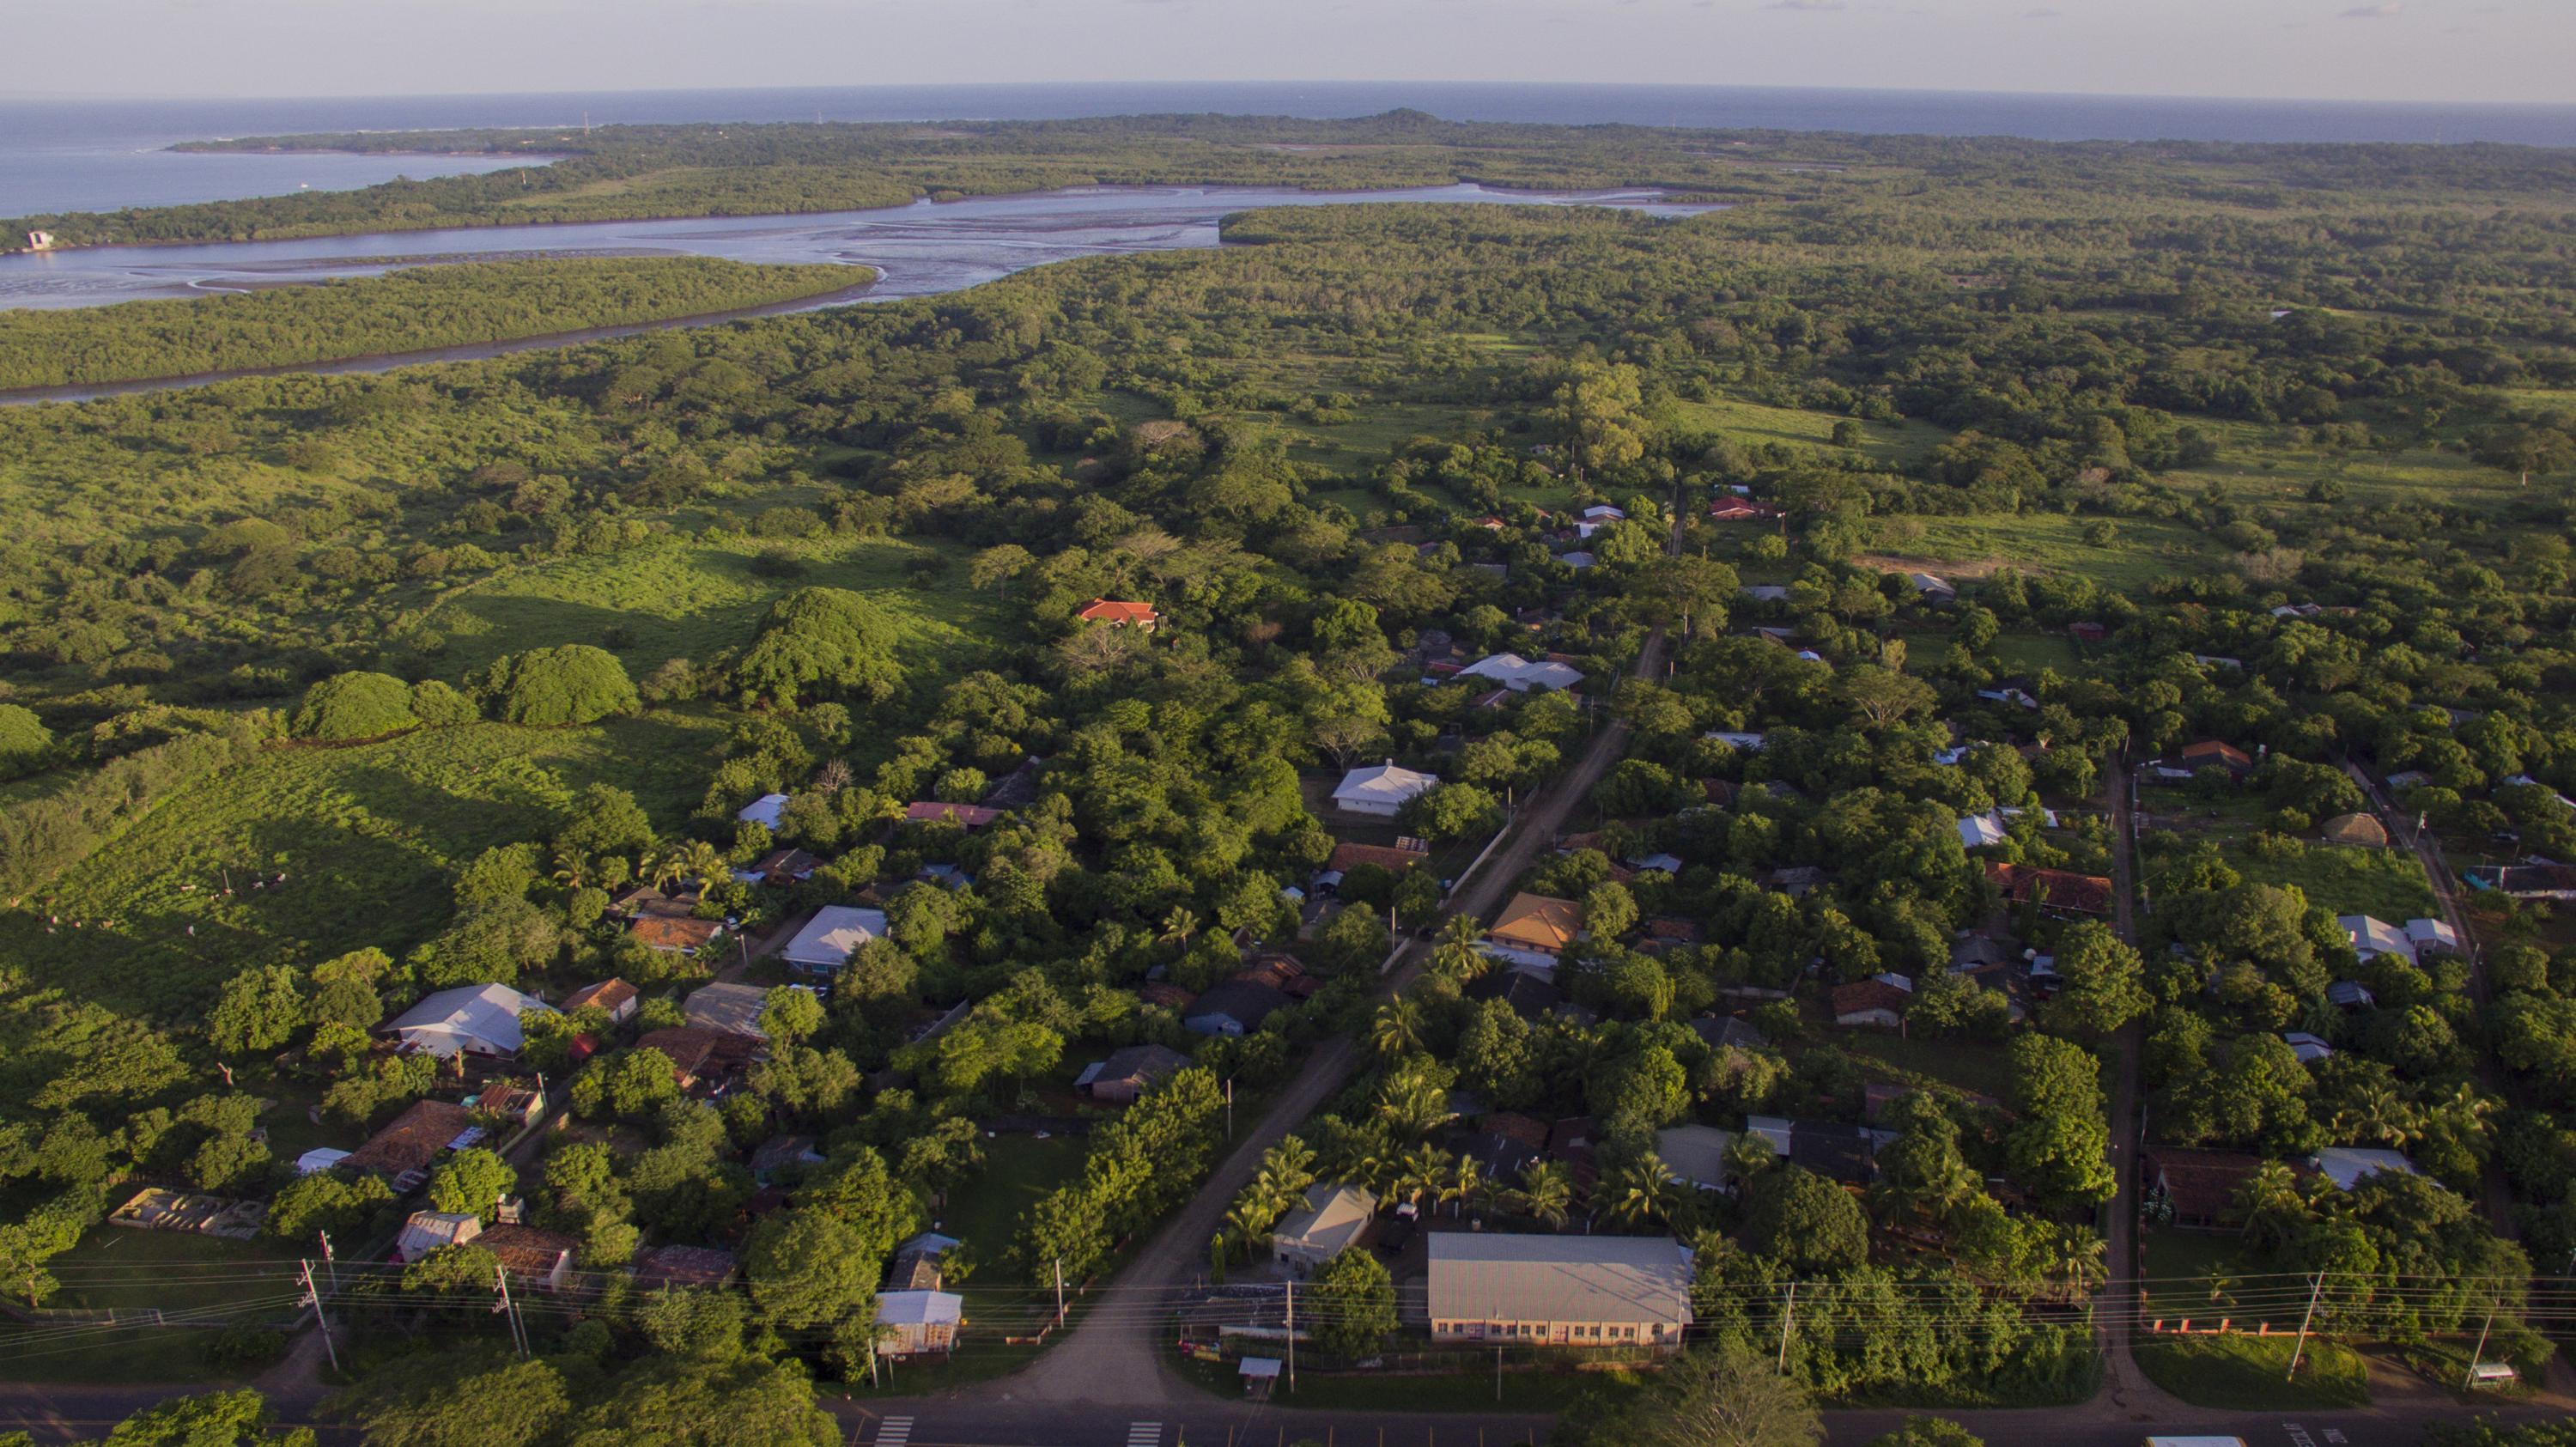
(1260, 1377)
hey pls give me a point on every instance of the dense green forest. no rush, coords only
(326, 692)
(408, 310)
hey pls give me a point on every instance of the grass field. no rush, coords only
(117, 1269)
(2246, 1372)
(2138, 554)
(2387, 883)
(691, 597)
(1968, 1065)
(2032, 652)
(366, 838)
(1753, 422)
(1018, 1169)
(1521, 1390)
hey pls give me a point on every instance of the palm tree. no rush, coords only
(1397, 1027)
(1179, 925)
(2376, 1113)
(1546, 1193)
(1414, 1104)
(665, 865)
(2274, 1208)
(702, 862)
(1419, 1173)
(1456, 955)
(1642, 1192)
(572, 866)
(1467, 1182)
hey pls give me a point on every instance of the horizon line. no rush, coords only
(17, 96)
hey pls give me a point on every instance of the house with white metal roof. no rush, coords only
(833, 935)
(1520, 675)
(1381, 789)
(468, 1020)
(1333, 1219)
(1558, 1290)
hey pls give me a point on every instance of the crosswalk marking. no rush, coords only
(895, 1432)
(1144, 1434)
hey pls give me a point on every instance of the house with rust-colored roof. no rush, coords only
(2199, 1187)
(416, 1140)
(2055, 889)
(680, 935)
(969, 817)
(1118, 614)
(1397, 858)
(613, 995)
(1877, 1003)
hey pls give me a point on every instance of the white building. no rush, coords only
(1520, 675)
(2372, 938)
(468, 1020)
(1558, 1290)
(426, 1231)
(1978, 830)
(1333, 1220)
(1381, 789)
(765, 811)
(2309, 1048)
(1748, 743)
(920, 1321)
(2346, 1166)
(833, 935)
(1696, 1155)
(2433, 934)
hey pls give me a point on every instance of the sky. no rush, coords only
(2414, 50)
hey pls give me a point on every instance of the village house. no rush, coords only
(2198, 1187)
(414, 1142)
(675, 934)
(1129, 1073)
(2372, 938)
(1877, 1003)
(2057, 891)
(478, 1020)
(969, 817)
(1234, 1007)
(1118, 614)
(702, 1267)
(836, 932)
(1520, 675)
(426, 1231)
(728, 1010)
(1381, 790)
(542, 1259)
(1558, 1290)
(1533, 930)
(613, 995)
(1333, 1219)
(2347, 1166)
(919, 1322)
(781, 868)
(768, 811)
(1696, 1155)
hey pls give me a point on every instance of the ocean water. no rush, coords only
(62, 155)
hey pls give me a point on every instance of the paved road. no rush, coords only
(1116, 1361)
(2126, 1386)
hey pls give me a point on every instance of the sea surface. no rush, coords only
(96, 154)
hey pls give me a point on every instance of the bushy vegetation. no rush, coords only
(404, 311)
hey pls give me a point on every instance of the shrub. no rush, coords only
(25, 743)
(572, 683)
(354, 706)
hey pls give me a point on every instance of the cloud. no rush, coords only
(2386, 9)
(2041, 14)
(1809, 5)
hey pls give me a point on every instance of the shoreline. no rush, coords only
(373, 362)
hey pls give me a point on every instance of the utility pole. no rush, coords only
(330, 1262)
(518, 1336)
(1498, 1374)
(2480, 1350)
(1059, 1291)
(320, 1318)
(1229, 1107)
(1788, 1314)
(2316, 1287)
(1292, 1338)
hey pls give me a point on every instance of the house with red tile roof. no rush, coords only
(2055, 889)
(1118, 614)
